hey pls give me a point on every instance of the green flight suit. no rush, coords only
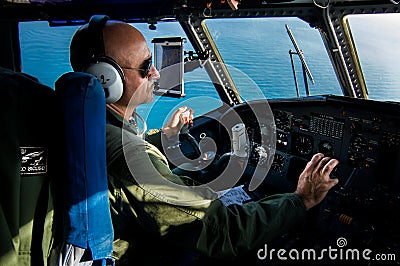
(144, 220)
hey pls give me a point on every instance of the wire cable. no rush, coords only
(326, 5)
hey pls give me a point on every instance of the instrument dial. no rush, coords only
(358, 143)
(326, 148)
(278, 163)
(282, 120)
(303, 144)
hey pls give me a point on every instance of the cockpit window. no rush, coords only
(377, 39)
(256, 50)
(45, 50)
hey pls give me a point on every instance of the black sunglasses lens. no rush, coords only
(149, 64)
(146, 66)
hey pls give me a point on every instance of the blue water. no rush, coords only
(259, 63)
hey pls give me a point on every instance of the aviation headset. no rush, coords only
(106, 69)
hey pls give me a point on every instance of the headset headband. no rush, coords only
(95, 27)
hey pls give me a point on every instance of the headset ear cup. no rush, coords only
(110, 76)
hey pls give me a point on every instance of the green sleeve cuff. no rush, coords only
(296, 200)
(236, 229)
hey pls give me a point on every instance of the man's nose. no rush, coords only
(154, 72)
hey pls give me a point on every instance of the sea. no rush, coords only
(255, 51)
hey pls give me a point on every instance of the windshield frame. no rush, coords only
(358, 27)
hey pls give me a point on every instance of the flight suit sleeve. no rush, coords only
(230, 231)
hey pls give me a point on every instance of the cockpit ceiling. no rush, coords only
(159, 9)
(178, 2)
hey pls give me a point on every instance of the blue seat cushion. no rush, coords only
(82, 117)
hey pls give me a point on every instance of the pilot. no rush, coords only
(156, 215)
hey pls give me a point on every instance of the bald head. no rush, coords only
(122, 42)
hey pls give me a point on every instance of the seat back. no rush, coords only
(82, 122)
(26, 133)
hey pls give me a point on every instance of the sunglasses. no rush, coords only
(144, 67)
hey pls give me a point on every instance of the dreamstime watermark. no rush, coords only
(147, 174)
(340, 252)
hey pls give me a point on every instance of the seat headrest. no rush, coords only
(82, 114)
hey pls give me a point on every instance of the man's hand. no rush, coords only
(315, 182)
(176, 122)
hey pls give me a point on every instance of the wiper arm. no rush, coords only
(306, 70)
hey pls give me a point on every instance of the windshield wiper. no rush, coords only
(306, 70)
